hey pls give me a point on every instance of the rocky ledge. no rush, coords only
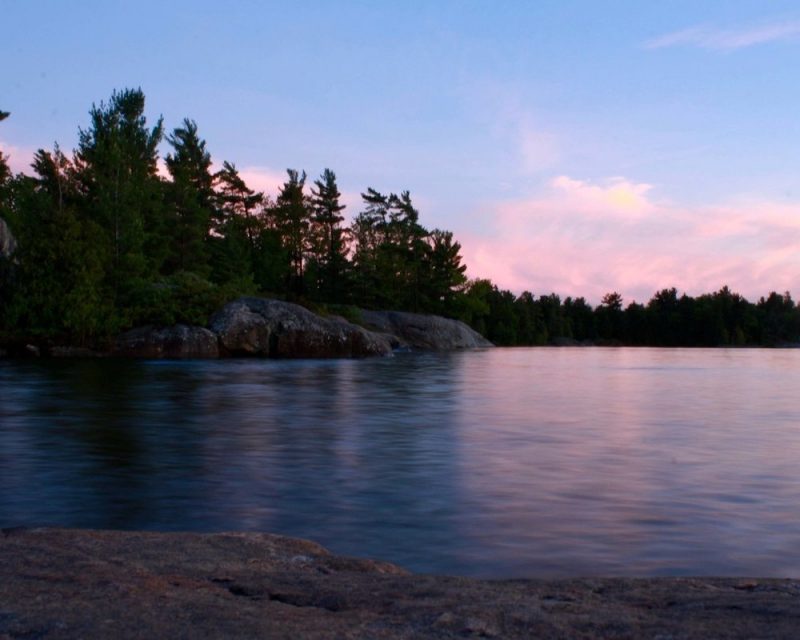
(424, 332)
(275, 329)
(64, 584)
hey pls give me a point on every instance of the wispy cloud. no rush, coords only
(583, 239)
(716, 39)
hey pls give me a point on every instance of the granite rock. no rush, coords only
(424, 332)
(277, 329)
(67, 584)
(178, 341)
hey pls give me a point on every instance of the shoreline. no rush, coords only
(72, 583)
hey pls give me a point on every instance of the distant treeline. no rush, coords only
(723, 318)
(104, 243)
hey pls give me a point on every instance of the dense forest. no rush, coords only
(105, 242)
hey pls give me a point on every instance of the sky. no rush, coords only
(576, 147)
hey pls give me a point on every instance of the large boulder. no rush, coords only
(7, 241)
(276, 329)
(241, 332)
(179, 341)
(424, 332)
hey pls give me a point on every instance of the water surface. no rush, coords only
(496, 463)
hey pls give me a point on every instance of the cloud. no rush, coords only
(19, 158)
(618, 197)
(584, 239)
(727, 39)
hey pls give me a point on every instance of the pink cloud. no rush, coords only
(584, 239)
(617, 197)
(19, 158)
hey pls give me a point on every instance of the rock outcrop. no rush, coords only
(424, 332)
(267, 328)
(179, 341)
(71, 584)
(276, 329)
(7, 242)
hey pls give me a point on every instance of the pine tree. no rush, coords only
(235, 228)
(369, 235)
(443, 273)
(116, 166)
(191, 197)
(236, 200)
(406, 252)
(59, 279)
(329, 246)
(291, 218)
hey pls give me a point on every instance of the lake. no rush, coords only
(537, 462)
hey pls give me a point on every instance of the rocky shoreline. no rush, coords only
(58, 583)
(268, 328)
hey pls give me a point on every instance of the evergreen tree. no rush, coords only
(236, 200)
(580, 317)
(329, 246)
(368, 233)
(116, 167)
(609, 317)
(191, 196)
(405, 252)
(59, 280)
(235, 228)
(530, 325)
(291, 219)
(390, 252)
(444, 273)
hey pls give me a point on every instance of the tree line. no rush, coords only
(723, 318)
(104, 242)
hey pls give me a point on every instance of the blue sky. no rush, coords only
(576, 147)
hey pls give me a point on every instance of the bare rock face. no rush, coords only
(179, 341)
(276, 329)
(425, 332)
(7, 242)
(71, 584)
(241, 331)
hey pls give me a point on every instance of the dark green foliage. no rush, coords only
(116, 170)
(291, 218)
(328, 251)
(191, 201)
(398, 264)
(723, 318)
(183, 297)
(442, 272)
(237, 231)
(59, 285)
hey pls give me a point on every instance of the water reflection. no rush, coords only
(516, 462)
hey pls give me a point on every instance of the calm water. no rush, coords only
(498, 463)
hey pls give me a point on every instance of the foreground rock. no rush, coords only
(425, 332)
(179, 341)
(276, 329)
(102, 584)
